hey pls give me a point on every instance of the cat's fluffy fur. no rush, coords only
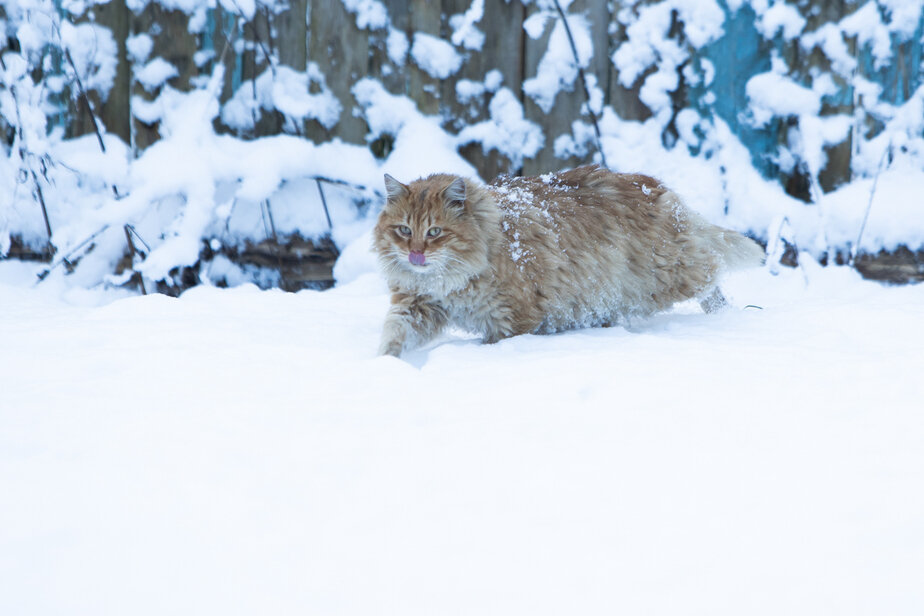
(585, 247)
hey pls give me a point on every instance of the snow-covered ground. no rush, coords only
(237, 451)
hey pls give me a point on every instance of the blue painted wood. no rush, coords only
(737, 56)
(742, 52)
(221, 21)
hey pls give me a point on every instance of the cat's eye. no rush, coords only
(434, 232)
(404, 230)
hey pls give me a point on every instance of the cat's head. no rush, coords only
(427, 234)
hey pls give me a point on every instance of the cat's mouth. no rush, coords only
(417, 259)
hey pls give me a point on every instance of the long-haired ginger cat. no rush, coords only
(582, 248)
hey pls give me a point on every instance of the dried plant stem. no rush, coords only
(41, 200)
(22, 156)
(330, 225)
(268, 223)
(133, 252)
(872, 193)
(85, 99)
(577, 63)
(64, 258)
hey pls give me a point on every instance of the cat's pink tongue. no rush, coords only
(416, 258)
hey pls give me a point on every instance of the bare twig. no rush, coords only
(133, 253)
(583, 77)
(872, 193)
(23, 155)
(85, 98)
(272, 224)
(266, 53)
(776, 246)
(138, 236)
(65, 257)
(358, 187)
(268, 223)
(330, 225)
(41, 200)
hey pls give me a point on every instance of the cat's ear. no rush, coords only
(394, 189)
(454, 194)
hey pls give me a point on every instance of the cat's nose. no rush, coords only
(416, 257)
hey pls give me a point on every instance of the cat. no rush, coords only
(580, 248)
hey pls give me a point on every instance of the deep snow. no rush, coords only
(243, 452)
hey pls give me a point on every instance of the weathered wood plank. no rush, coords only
(115, 112)
(901, 266)
(342, 49)
(568, 102)
(423, 17)
(173, 42)
(502, 26)
(292, 35)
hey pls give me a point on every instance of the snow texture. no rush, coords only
(772, 94)
(243, 452)
(370, 14)
(397, 46)
(465, 33)
(287, 91)
(421, 146)
(507, 131)
(466, 89)
(435, 56)
(235, 451)
(94, 53)
(196, 186)
(155, 73)
(780, 18)
(139, 47)
(558, 67)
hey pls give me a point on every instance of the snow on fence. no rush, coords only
(245, 139)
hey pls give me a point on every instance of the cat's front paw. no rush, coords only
(391, 347)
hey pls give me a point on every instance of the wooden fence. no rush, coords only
(325, 32)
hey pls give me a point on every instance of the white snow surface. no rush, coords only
(558, 67)
(780, 18)
(435, 56)
(772, 94)
(370, 14)
(464, 31)
(93, 50)
(507, 131)
(237, 451)
(287, 91)
(397, 46)
(153, 74)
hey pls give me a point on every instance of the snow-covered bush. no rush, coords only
(205, 127)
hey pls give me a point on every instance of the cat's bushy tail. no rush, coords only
(738, 251)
